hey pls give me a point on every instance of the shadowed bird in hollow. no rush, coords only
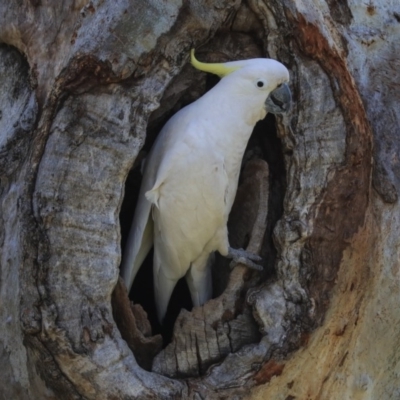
(191, 176)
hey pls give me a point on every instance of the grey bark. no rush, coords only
(81, 87)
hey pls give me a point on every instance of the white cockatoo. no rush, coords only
(191, 176)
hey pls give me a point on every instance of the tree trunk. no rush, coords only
(85, 87)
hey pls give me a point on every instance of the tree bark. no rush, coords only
(84, 87)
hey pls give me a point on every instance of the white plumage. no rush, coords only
(191, 176)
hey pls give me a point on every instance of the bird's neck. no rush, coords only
(231, 120)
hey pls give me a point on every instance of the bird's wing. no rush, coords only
(139, 243)
(140, 239)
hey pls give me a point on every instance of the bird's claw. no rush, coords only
(240, 256)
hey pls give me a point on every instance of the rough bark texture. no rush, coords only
(83, 84)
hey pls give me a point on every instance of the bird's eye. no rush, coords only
(279, 85)
(260, 83)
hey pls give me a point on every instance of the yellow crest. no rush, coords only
(219, 69)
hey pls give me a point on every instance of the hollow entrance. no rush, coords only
(263, 144)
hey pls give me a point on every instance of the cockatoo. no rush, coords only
(191, 175)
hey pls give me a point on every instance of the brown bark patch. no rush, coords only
(269, 370)
(134, 327)
(341, 210)
(86, 71)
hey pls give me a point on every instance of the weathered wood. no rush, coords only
(80, 85)
(134, 326)
(345, 357)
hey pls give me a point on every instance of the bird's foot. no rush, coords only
(240, 256)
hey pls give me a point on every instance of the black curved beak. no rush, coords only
(279, 100)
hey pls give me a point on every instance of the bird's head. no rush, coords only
(262, 78)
